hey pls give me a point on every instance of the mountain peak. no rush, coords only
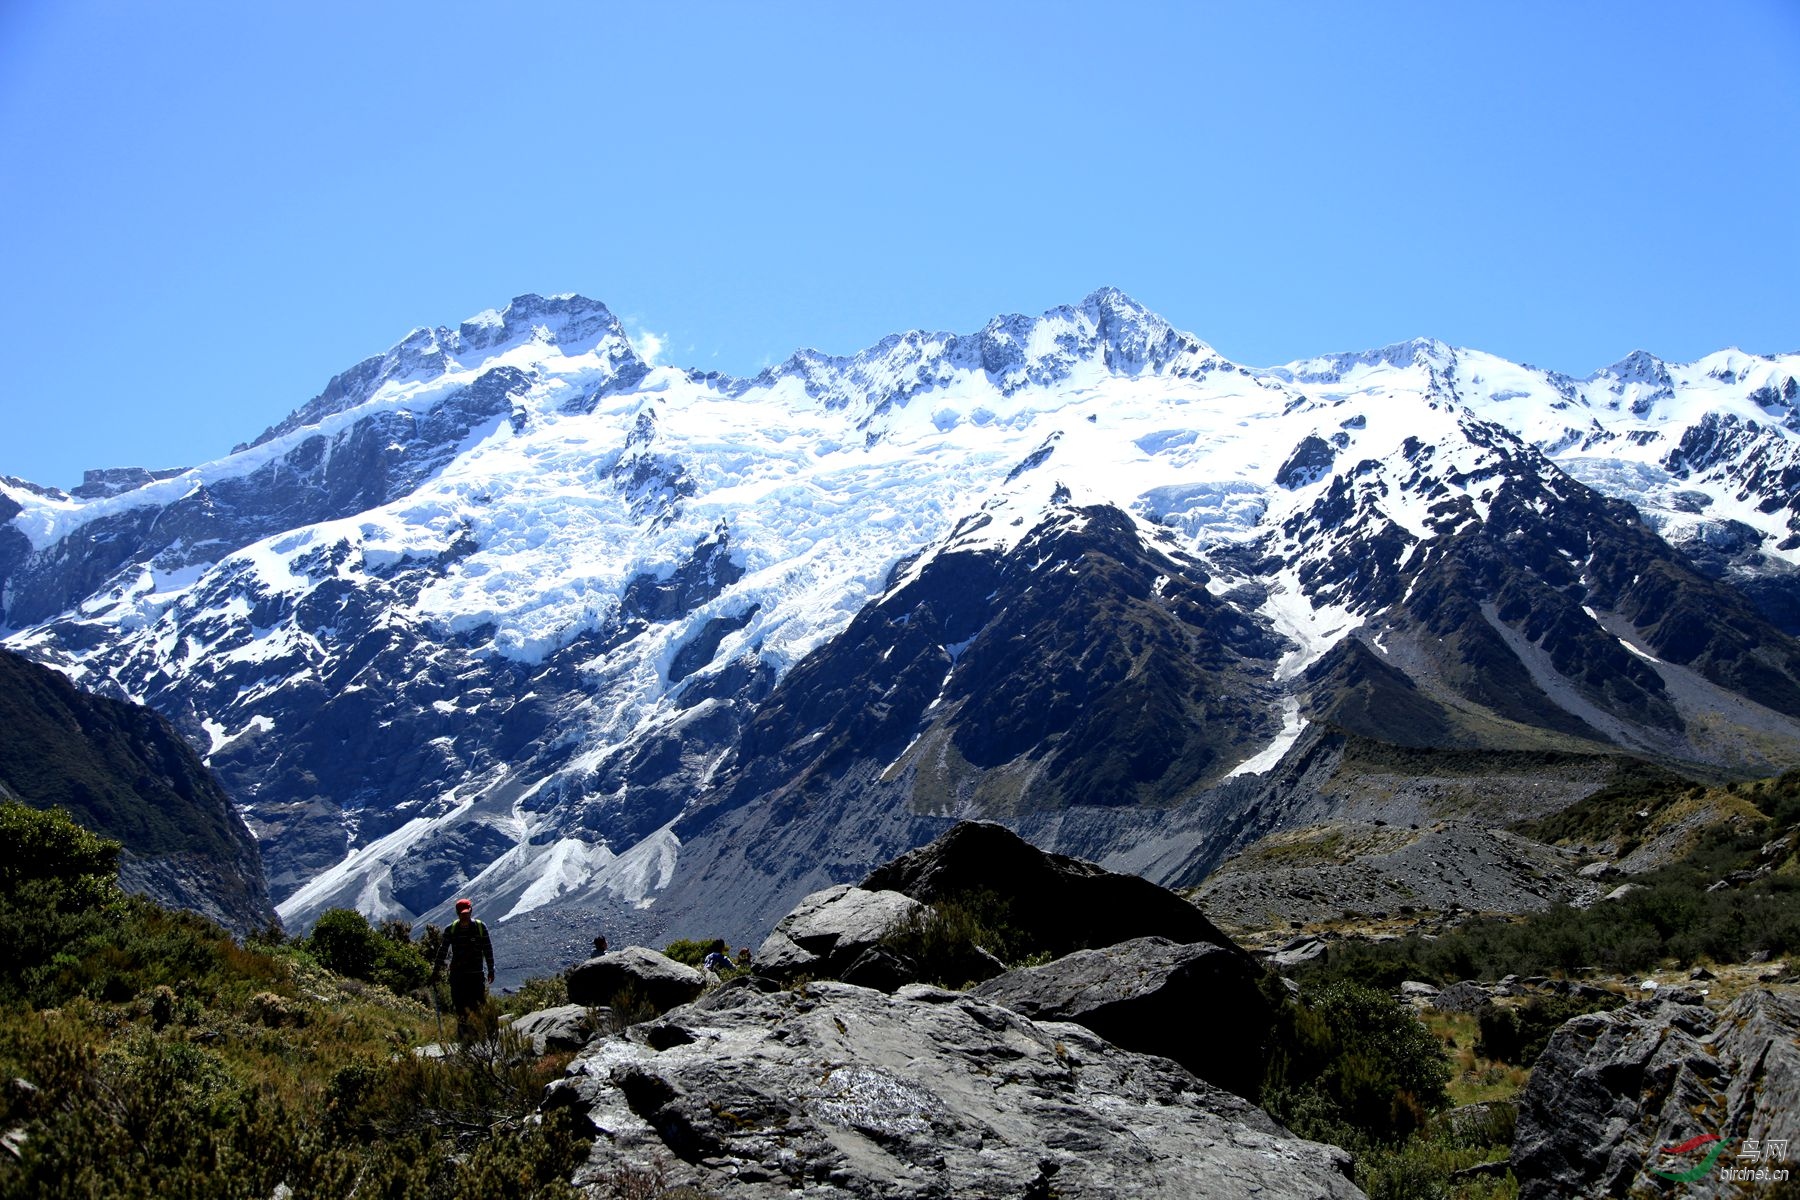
(1013, 350)
(1419, 351)
(1640, 366)
(568, 320)
(1111, 303)
(572, 323)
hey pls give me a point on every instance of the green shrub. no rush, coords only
(535, 994)
(1519, 1034)
(343, 941)
(1350, 1064)
(58, 890)
(48, 847)
(952, 939)
(1672, 914)
(692, 952)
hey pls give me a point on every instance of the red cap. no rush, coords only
(464, 905)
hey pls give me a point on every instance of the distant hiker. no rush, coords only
(471, 953)
(599, 945)
(715, 958)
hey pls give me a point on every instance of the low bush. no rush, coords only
(1672, 914)
(1351, 1065)
(536, 994)
(1518, 1034)
(343, 941)
(953, 940)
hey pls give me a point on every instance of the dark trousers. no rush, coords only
(467, 993)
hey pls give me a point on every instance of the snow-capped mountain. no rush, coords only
(509, 609)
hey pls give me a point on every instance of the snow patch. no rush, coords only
(1292, 724)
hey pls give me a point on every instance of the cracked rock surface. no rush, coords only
(841, 1091)
(1613, 1091)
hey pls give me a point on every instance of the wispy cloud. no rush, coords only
(647, 344)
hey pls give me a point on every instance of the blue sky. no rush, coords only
(207, 210)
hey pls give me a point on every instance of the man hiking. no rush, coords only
(471, 952)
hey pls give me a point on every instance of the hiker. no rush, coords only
(715, 959)
(470, 951)
(599, 944)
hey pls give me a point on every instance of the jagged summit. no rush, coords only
(1640, 366)
(1107, 333)
(1332, 368)
(573, 324)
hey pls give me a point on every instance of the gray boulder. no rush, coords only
(1058, 903)
(1297, 951)
(1198, 1004)
(634, 973)
(1464, 997)
(1614, 1091)
(829, 930)
(835, 1091)
(565, 1027)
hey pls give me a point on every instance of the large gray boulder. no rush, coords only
(1198, 1004)
(1059, 903)
(565, 1027)
(1613, 1092)
(836, 1091)
(634, 974)
(829, 930)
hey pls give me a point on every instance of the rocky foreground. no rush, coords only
(791, 1081)
(835, 1090)
(1116, 1066)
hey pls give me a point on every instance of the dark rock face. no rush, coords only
(847, 1092)
(123, 771)
(1061, 904)
(1197, 1004)
(655, 979)
(1613, 1092)
(1139, 688)
(1309, 463)
(113, 481)
(1354, 690)
(446, 861)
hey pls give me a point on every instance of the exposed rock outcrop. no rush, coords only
(565, 1027)
(1198, 1004)
(634, 973)
(1617, 1096)
(829, 930)
(841, 1091)
(1059, 903)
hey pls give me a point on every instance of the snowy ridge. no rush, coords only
(603, 560)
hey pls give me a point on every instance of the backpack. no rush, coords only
(468, 951)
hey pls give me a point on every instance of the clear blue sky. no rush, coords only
(206, 210)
